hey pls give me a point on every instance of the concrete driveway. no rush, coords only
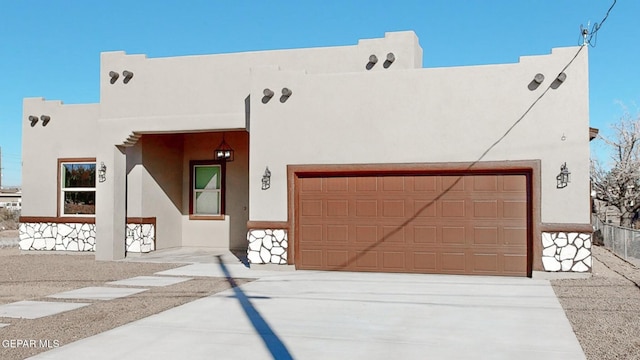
(342, 315)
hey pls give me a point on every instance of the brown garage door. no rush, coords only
(446, 224)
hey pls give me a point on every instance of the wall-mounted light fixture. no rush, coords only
(266, 179)
(539, 78)
(114, 77)
(33, 120)
(564, 178)
(372, 61)
(223, 152)
(127, 76)
(45, 119)
(102, 172)
(390, 59)
(268, 94)
(561, 77)
(286, 93)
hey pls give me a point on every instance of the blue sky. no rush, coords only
(51, 48)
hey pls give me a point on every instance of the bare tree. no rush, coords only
(618, 184)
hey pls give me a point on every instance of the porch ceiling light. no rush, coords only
(33, 120)
(564, 178)
(45, 119)
(223, 152)
(127, 76)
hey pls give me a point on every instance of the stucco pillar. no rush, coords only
(111, 206)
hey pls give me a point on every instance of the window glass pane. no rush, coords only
(79, 175)
(79, 202)
(207, 177)
(207, 203)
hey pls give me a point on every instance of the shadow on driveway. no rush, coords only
(277, 349)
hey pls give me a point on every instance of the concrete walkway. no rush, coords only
(342, 315)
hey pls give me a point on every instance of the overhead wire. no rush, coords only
(592, 38)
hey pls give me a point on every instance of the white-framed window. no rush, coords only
(77, 183)
(207, 190)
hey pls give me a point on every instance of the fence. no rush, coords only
(624, 242)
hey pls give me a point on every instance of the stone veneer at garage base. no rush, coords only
(566, 251)
(267, 246)
(562, 251)
(140, 238)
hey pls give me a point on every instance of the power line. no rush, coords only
(591, 38)
(596, 28)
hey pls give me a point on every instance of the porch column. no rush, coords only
(111, 205)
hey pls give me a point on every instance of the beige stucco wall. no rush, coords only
(426, 115)
(71, 133)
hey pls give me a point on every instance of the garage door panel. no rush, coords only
(453, 235)
(366, 233)
(339, 208)
(424, 208)
(515, 236)
(425, 183)
(425, 261)
(366, 208)
(486, 235)
(452, 183)
(485, 263)
(425, 234)
(515, 264)
(514, 183)
(366, 260)
(485, 209)
(453, 262)
(337, 258)
(485, 183)
(311, 259)
(515, 209)
(452, 208)
(337, 233)
(393, 260)
(311, 233)
(366, 184)
(393, 183)
(408, 224)
(311, 208)
(337, 184)
(393, 234)
(393, 208)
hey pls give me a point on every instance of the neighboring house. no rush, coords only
(344, 158)
(10, 200)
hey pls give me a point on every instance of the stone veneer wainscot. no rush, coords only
(267, 246)
(566, 251)
(45, 236)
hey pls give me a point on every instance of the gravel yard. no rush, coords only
(604, 309)
(34, 276)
